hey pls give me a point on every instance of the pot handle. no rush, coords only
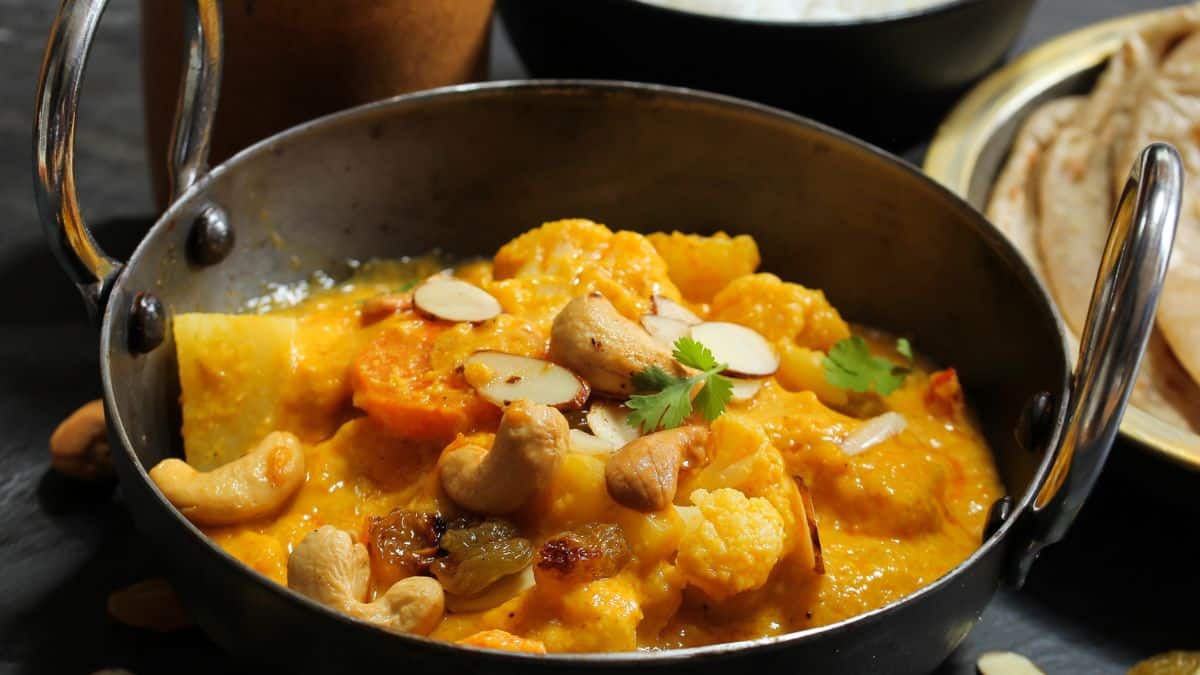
(63, 64)
(1118, 325)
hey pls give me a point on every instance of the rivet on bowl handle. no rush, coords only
(1118, 325)
(65, 59)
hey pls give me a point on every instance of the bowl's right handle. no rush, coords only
(1114, 338)
(54, 131)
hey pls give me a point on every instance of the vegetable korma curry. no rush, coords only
(596, 441)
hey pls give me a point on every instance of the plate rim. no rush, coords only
(962, 136)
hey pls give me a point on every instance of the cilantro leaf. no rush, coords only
(669, 401)
(407, 286)
(694, 355)
(850, 365)
(665, 410)
(712, 398)
(904, 347)
(653, 378)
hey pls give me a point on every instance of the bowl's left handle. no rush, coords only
(54, 131)
(1118, 325)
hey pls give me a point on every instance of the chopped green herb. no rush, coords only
(850, 365)
(671, 401)
(694, 355)
(407, 286)
(653, 378)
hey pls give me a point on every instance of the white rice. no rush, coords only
(798, 10)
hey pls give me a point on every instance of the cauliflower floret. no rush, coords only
(780, 310)
(537, 273)
(600, 616)
(702, 266)
(741, 457)
(732, 542)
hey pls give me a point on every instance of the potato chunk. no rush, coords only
(234, 372)
(701, 266)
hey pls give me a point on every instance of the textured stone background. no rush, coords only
(1118, 589)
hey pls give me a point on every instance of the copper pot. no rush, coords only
(287, 62)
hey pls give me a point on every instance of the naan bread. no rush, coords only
(1163, 387)
(1075, 201)
(1055, 197)
(1013, 203)
(1170, 111)
(1159, 38)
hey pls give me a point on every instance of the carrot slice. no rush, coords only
(395, 384)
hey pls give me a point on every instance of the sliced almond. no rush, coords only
(455, 300)
(668, 308)
(503, 378)
(610, 422)
(497, 594)
(665, 329)
(1006, 663)
(745, 390)
(810, 515)
(587, 444)
(743, 350)
(873, 432)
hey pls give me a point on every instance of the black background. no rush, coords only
(1124, 585)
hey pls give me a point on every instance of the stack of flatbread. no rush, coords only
(1067, 169)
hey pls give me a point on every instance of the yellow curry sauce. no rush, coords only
(376, 403)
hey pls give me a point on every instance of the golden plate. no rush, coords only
(972, 144)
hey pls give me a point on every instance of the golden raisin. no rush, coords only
(1170, 663)
(403, 544)
(595, 551)
(477, 555)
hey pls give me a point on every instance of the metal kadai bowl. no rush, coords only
(972, 146)
(465, 169)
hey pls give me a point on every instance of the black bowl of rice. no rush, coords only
(885, 70)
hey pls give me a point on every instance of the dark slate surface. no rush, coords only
(1123, 585)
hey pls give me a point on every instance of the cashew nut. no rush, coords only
(79, 446)
(249, 487)
(529, 443)
(151, 605)
(644, 474)
(333, 569)
(591, 338)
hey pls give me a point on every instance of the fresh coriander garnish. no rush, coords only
(672, 401)
(850, 365)
(407, 286)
